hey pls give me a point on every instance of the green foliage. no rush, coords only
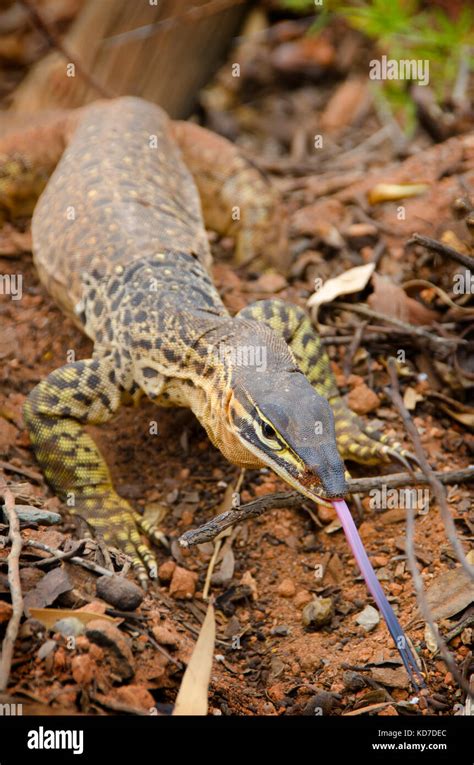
(401, 29)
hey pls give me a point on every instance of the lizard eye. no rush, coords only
(268, 431)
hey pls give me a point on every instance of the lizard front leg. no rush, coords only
(355, 441)
(55, 412)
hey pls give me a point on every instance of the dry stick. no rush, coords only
(441, 345)
(15, 589)
(443, 249)
(55, 42)
(435, 484)
(58, 554)
(438, 490)
(21, 471)
(210, 530)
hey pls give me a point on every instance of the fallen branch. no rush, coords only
(21, 471)
(442, 249)
(219, 523)
(15, 589)
(442, 346)
(438, 490)
(59, 554)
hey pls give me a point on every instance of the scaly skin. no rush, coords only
(119, 242)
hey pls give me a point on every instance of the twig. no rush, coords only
(15, 589)
(58, 555)
(435, 484)
(21, 471)
(353, 348)
(54, 41)
(438, 490)
(440, 345)
(79, 561)
(443, 249)
(219, 523)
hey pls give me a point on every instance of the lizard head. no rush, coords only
(278, 417)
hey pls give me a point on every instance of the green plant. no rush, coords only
(403, 29)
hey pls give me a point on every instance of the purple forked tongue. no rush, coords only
(377, 593)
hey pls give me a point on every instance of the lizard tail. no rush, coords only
(28, 156)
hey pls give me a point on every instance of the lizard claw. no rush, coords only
(120, 527)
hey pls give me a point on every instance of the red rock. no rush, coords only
(166, 570)
(165, 636)
(326, 514)
(134, 696)
(302, 598)
(83, 669)
(183, 583)
(362, 400)
(286, 588)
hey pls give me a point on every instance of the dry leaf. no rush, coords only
(411, 398)
(353, 280)
(392, 300)
(389, 192)
(465, 418)
(450, 593)
(430, 640)
(49, 616)
(193, 694)
(50, 587)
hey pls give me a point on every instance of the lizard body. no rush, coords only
(119, 241)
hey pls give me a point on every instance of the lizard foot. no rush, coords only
(367, 445)
(120, 526)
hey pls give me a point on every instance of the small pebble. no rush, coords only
(318, 612)
(368, 618)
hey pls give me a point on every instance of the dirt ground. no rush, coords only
(267, 661)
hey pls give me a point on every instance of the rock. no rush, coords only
(379, 561)
(28, 514)
(109, 637)
(165, 636)
(318, 612)
(368, 618)
(320, 704)
(326, 514)
(166, 570)
(46, 649)
(83, 669)
(5, 612)
(393, 678)
(286, 588)
(119, 592)
(183, 583)
(362, 400)
(353, 681)
(70, 627)
(135, 696)
(302, 598)
(281, 630)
